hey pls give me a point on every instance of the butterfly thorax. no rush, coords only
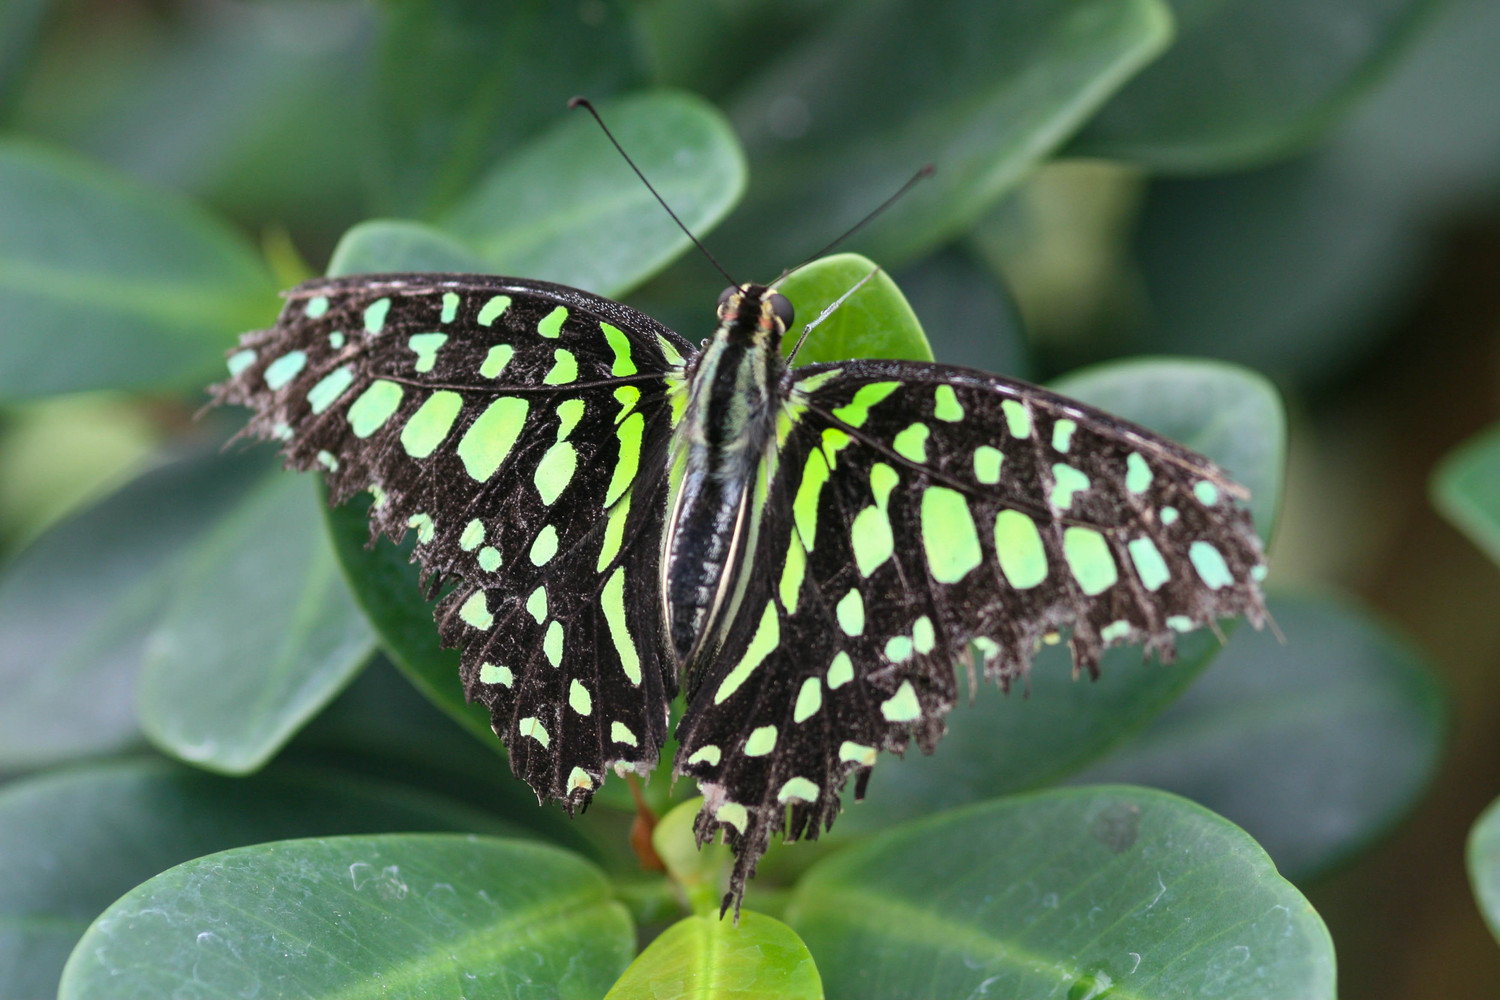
(718, 445)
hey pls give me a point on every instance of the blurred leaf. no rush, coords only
(1088, 893)
(385, 245)
(21, 24)
(1315, 747)
(77, 605)
(261, 633)
(401, 916)
(1054, 724)
(843, 116)
(72, 843)
(1326, 252)
(873, 322)
(967, 313)
(257, 108)
(693, 867)
(104, 284)
(705, 958)
(568, 208)
(1466, 488)
(1247, 80)
(1484, 865)
(461, 83)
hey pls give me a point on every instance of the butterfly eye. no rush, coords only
(782, 306)
(724, 297)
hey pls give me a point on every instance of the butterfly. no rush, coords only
(806, 551)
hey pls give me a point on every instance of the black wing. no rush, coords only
(520, 429)
(917, 509)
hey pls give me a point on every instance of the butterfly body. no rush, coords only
(807, 551)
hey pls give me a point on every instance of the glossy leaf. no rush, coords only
(1092, 892)
(1466, 488)
(77, 605)
(1343, 726)
(568, 208)
(260, 634)
(1052, 724)
(72, 843)
(1247, 80)
(461, 83)
(841, 118)
(383, 245)
(706, 958)
(105, 284)
(875, 321)
(1484, 865)
(399, 916)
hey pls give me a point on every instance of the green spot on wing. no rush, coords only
(912, 442)
(765, 640)
(619, 343)
(491, 310)
(240, 360)
(1090, 560)
(564, 368)
(329, 388)
(857, 410)
(285, 368)
(495, 361)
(431, 423)
(1210, 564)
(1018, 546)
(489, 439)
(949, 537)
(1017, 418)
(551, 324)
(1149, 563)
(375, 314)
(902, 706)
(426, 346)
(555, 471)
(374, 407)
(612, 598)
(946, 405)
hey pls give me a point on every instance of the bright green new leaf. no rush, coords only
(1466, 488)
(77, 605)
(1247, 80)
(257, 637)
(568, 208)
(72, 843)
(875, 320)
(1082, 893)
(396, 916)
(1344, 722)
(841, 117)
(107, 284)
(706, 958)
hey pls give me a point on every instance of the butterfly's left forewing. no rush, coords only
(913, 510)
(519, 429)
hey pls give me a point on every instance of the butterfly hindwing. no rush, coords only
(516, 427)
(916, 509)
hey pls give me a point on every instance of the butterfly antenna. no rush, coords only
(926, 171)
(826, 313)
(583, 102)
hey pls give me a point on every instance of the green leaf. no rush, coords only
(1484, 865)
(461, 83)
(1083, 893)
(77, 605)
(1247, 80)
(72, 843)
(105, 284)
(21, 26)
(398, 916)
(705, 958)
(1343, 722)
(1005, 743)
(388, 588)
(260, 634)
(843, 116)
(383, 245)
(967, 314)
(568, 208)
(1466, 488)
(695, 868)
(875, 321)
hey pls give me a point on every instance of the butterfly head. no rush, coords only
(760, 314)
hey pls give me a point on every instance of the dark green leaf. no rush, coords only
(260, 634)
(1484, 865)
(396, 916)
(77, 605)
(397, 245)
(842, 117)
(1466, 488)
(706, 958)
(105, 284)
(461, 83)
(1248, 79)
(567, 207)
(72, 843)
(1082, 893)
(967, 314)
(21, 24)
(1054, 724)
(1314, 746)
(873, 322)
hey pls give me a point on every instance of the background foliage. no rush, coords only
(200, 668)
